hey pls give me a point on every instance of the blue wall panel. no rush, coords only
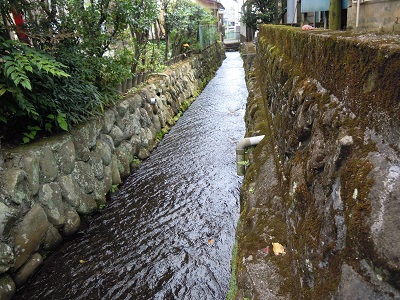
(318, 5)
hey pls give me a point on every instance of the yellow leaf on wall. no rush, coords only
(278, 249)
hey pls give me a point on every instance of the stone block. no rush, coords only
(353, 286)
(29, 233)
(69, 190)
(145, 121)
(109, 120)
(14, 185)
(51, 199)
(28, 269)
(84, 138)
(48, 166)
(143, 153)
(87, 205)
(122, 107)
(8, 217)
(124, 160)
(52, 238)
(149, 110)
(6, 257)
(87, 134)
(104, 150)
(156, 123)
(107, 182)
(72, 222)
(135, 102)
(96, 163)
(7, 287)
(117, 135)
(108, 140)
(385, 208)
(32, 169)
(66, 157)
(84, 176)
(116, 177)
(127, 126)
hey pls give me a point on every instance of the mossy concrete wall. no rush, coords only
(47, 186)
(325, 181)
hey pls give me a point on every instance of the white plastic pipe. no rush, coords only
(358, 12)
(240, 151)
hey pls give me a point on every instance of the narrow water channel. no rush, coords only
(168, 232)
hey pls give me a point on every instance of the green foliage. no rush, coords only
(182, 20)
(185, 105)
(30, 134)
(36, 92)
(77, 51)
(245, 163)
(18, 59)
(20, 66)
(233, 283)
(136, 162)
(152, 58)
(160, 135)
(114, 188)
(262, 11)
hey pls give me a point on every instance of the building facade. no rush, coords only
(357, 15)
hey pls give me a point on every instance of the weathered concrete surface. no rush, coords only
(324, 182)
(374, 15)
(45, 187)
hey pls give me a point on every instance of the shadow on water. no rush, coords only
(168, 232)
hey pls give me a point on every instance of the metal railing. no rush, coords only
(232, 36)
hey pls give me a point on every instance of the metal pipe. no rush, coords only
(358, 12)
(240, 151)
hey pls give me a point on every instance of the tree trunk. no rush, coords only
(335, 8)
(6, 33)
(166, 44)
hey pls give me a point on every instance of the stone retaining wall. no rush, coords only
(325, 181)
(48, 185)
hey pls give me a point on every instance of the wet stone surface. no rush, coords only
(168, 232)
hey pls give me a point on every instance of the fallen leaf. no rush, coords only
(82, 261)
(210, 241)
(278, 249)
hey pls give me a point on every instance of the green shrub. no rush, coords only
(38, 94)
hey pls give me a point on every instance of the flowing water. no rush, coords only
(168, 232)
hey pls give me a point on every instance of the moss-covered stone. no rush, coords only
(317, 96)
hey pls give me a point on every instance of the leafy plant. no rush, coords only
(61, 121)
(18, 63)
(30, 134)
(182, 20)
(136, 162)
(114, 188)
(262, 11)
(160, 135)
(233, 283)
(244, 163)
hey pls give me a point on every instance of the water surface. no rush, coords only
(168, 232)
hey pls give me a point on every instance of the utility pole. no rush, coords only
(335, 9)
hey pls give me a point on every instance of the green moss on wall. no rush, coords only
(307, 90)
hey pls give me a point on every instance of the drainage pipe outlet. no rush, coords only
(240, 151)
